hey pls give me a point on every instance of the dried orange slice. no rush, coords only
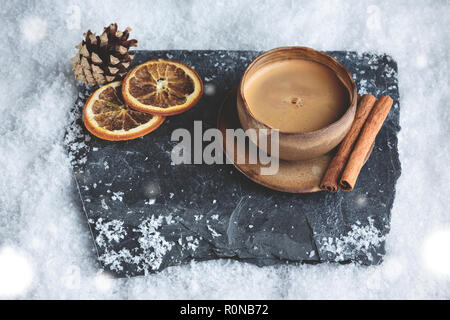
(106, 116)
(163, 87)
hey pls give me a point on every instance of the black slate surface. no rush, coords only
(146, 214)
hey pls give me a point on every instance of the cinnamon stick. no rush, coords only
(330, 180)
(362, 147)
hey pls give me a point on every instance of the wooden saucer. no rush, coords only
(293, 176)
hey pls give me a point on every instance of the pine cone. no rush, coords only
(104, 58)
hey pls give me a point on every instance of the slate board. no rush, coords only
(146, 214)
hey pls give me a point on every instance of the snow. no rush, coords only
(45, 235)
(16, 272)
(436, 254)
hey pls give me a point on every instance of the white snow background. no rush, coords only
(45, 246)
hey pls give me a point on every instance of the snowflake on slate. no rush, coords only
(153, 245)
(360, 240)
